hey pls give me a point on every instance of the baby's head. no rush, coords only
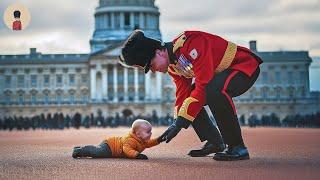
(142, 129)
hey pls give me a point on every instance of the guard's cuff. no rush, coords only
(183, 112)
(182, 122)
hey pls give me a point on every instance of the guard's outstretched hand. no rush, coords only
(173, 130)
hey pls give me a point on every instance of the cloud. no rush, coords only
(276, 24)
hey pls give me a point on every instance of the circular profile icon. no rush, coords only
(17, 17)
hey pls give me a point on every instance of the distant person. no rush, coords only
(128, 146)
(16, 25)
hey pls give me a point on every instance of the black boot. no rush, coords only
(206, 131)
(232, 153)
(207, 149)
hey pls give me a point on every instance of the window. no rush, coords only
(59, 98)
(59, 80)
(46, 80)
(20, 81)
(264, 77)
(33, 80)
(72, 80)
(302, 77)
(278, 92)
(20, 99)
(46, 98)
(84, 98)
(291, 92)
(110, 94)
(72, 97)
(290, 78)
(7, 99)
(33, 98)
(8, 82)
(84, 78)
(264, 92)
(278, 77)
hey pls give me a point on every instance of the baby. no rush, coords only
(129, 146)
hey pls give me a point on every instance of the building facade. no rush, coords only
(35, 83)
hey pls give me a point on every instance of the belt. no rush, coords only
(227, 58)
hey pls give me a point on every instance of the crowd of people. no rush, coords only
(297, 120)
(61, 121)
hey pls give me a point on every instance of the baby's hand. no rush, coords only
(142, 156)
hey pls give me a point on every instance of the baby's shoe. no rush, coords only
(77, 151)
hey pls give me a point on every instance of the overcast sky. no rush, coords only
(66, 26)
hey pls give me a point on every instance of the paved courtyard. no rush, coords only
(275, 154)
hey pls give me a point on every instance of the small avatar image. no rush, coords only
(16, 25)
(17, 17)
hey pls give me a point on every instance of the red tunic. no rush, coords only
(205, 52)
(16, 25)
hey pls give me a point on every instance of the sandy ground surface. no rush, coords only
(275, 154)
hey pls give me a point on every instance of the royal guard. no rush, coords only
(16, 25)
(207, 70)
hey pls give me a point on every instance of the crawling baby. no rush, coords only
(128, 146)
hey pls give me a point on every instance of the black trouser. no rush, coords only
(205, 128)
(220, 90)
(100, 151)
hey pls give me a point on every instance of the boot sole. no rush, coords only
(231, 159)
(204, 155)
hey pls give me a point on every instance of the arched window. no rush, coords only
(33, 97)
(59, 97)
(20, 98)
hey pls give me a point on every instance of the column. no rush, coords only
(125, 85)
(147, 86)
(112, 20)
(104, 83)
(136, 84)
(141, 19)
(159, 86)
(132, 20)
(115, 83)
(121, 20)
(93, 83)
(307, 80)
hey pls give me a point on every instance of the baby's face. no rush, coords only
(144, 133)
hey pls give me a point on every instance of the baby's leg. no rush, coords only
(100, 151)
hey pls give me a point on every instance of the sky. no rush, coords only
(66, 26)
